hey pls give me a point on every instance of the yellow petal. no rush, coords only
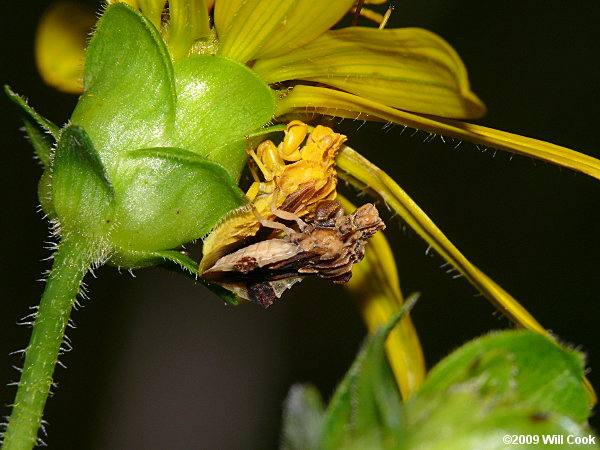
(224, 13)
(365, 173)
(309, 20)
(335, 103)
(409, 68)
(153, 10)
(362, 173)
(60, 45)
(375, 284)
(133, 3)
(188, 21)
(523, 145)
(244, 27)
(263, 28)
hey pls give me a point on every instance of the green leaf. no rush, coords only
(511, 383)
(82, 194)
(129, 96)
(461, 419)
(521, 367)
(219, 101)
(40, 130)
(493, 388)
(169, 196)
(302, 419)
(365, 410)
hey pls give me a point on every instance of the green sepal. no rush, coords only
(82, 195)
(42, 132)
(265, 133)
(172, 260)
(45, 194)
(366, 411)
(219, 101)
(302, 419)
(169, 196)
(128, 100)
(525, 368)
(135, 98)
(182, 262)
(234, 154)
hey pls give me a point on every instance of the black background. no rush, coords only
(161, 363)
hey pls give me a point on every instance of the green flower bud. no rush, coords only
(152, 154)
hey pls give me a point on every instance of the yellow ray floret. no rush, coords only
(60, 42)
(363, 174)
(376, 287)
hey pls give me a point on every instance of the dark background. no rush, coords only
(161, 363)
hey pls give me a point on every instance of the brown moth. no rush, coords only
(327, 247)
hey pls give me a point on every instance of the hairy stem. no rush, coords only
(71, 262)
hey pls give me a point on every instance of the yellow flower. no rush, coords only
(409, 77)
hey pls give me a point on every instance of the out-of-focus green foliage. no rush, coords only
(504, 383)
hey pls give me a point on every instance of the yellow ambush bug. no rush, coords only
(255, 251)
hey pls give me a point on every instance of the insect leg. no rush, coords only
(272, 224)
(286, 215)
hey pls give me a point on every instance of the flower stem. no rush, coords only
(71, 262)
